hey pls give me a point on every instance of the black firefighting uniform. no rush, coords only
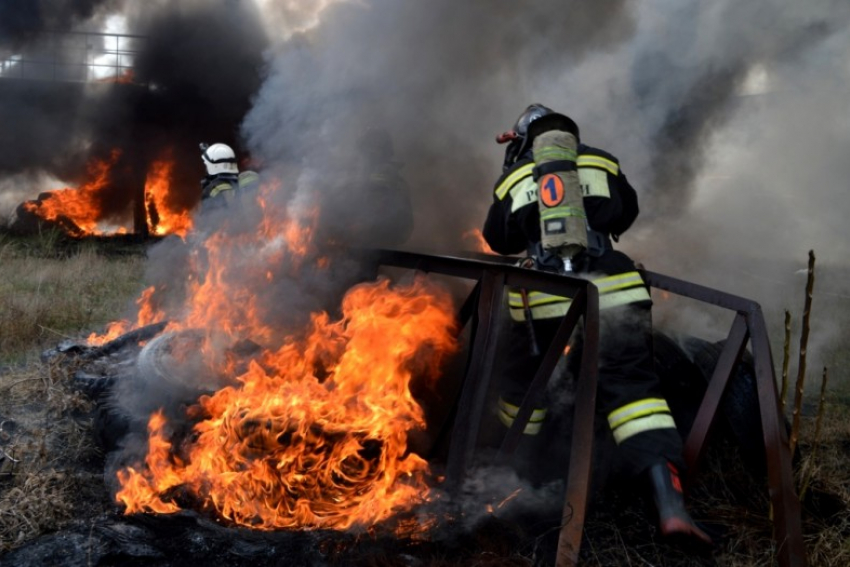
(629, 393)
(224, 190)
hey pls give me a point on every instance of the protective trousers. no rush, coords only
(629, 393)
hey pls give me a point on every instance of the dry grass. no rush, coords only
(49, 291)
(43, 444)
(50, 470)
(827, 497)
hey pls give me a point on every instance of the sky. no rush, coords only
(730, 119)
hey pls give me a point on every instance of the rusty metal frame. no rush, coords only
(482, 309)
(748, 324)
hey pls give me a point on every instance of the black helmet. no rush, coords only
(522, 135)
(520, 129)
(532, 113)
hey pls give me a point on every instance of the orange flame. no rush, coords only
(78, 205)
(127, 77)
(477, 239)
(147, 315)
(314, 434)
(312, 429)
(83, 206)
(113, 331)
(162, 217)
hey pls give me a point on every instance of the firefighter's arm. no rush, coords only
(628, 206)
(501, 230)
(206, 187)
(614, 213)
(629, 197)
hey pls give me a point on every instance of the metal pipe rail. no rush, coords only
(483, 307)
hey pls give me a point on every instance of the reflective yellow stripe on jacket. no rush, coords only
(513, 179)
(221, 188)
(586, 163)
(637, 417)
(587, 160)
(614, 291)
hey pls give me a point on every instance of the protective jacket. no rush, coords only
(513, 227)
(514, 220)
(629, 389)
(225, 189)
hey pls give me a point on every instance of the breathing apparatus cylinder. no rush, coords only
(563, 220)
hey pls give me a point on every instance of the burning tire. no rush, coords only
(177, 358)
(171, 372)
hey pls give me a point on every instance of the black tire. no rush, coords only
(109, 425)
(682, 382)
(739, 407)
(170, 373)
(685, 365)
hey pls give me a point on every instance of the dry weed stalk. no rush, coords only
(786, 357)
(804, 340)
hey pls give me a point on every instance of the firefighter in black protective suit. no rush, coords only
(629, 392)
(224, 185)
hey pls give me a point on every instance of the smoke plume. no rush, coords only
(728, 118)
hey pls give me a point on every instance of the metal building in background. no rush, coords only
(74, 57)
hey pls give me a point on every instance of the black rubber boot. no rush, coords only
(673, 518)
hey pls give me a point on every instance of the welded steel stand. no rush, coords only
(483, 307)
(748, 324)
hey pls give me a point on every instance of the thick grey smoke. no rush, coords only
(742, 165)
(728, 119)
(441, 77)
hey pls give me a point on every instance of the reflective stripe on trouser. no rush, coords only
(508, 413)
(614, 291)
(644, 415)
(626, 375)
(627, 371)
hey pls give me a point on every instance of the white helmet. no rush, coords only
(219, 158)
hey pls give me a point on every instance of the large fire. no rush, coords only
(81, 206)
(313, 432)
(82, 212)
(313, 435)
